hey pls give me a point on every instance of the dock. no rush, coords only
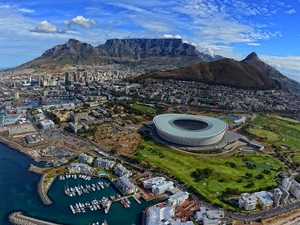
(136, 198)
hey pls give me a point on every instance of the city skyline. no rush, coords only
(230, 28)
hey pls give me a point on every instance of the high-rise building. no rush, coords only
(277, 196)
(286, 184)
(295, 189)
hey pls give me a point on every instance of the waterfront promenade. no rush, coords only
(18, 218)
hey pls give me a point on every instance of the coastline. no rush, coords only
(16, 146)
(42, 192)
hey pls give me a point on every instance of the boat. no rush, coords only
(127, 201)
(107, 207)
(72, 209)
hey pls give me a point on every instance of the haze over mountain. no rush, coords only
(168, 51)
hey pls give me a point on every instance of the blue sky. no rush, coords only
(230, 28)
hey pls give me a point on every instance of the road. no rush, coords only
(264, 214)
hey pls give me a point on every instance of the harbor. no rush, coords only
(22, 196)
(95, 196)
(96, 204)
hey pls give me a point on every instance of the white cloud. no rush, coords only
(209, 51)
(253, 44)
(287, 65)
(81, 21)
(45, 27)
(24, 10)
(172, 36)
(291, 11)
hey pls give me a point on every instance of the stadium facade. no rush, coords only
(189, 130)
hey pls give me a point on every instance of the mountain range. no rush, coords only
(189, 63)
(165, 51)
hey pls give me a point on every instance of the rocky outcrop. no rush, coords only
(287, 83)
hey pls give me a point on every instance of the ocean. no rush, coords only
(18, 192)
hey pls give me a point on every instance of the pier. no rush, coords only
(18, 218)
(137, 199)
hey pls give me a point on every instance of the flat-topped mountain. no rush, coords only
(139, 48)
(164, 51)
(222, 72)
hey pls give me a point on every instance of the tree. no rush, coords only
(202, 173)
(260, 176)
(249, 175)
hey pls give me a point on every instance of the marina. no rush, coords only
(15, 165)
(95, 204)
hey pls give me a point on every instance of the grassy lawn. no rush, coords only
(223, 176)
(143, 108)
(287, 132)
(269, 136)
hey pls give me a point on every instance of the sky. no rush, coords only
(231, 28)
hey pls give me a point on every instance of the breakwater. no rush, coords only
(42, 191)
(18, 218)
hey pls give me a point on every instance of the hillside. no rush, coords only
(287, 83)
(222, 72)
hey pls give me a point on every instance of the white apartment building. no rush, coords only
(120, 170)
(153, 181)
(247, 201)
(163, 216)
(84, 158)
(162, 187)
(125, 185)
(80, 168)
(263, 199)
(178, 198)
(104, 163)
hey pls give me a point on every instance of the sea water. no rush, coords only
(18, 192)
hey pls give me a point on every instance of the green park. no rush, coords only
(276, 131)
(214, 177)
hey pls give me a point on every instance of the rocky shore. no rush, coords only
(18, 218)
(16, 146)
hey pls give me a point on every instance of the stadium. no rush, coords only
(189, 130)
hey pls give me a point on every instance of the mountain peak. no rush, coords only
(253, 55)
(73, 41)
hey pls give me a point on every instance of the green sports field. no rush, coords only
(227, 172)
(143, 108)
